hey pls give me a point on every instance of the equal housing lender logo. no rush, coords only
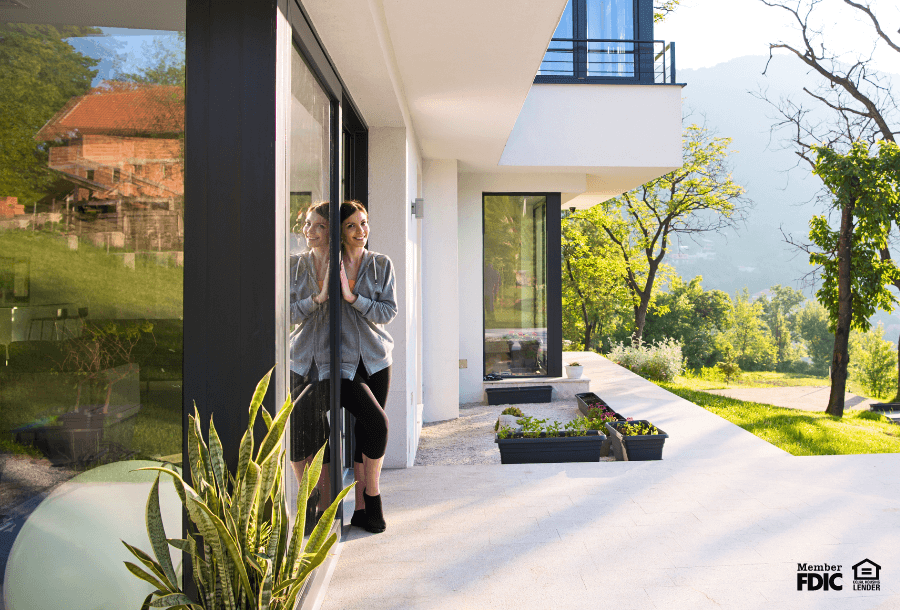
(830, 577)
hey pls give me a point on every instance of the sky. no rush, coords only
(709, 32)
(123, 50)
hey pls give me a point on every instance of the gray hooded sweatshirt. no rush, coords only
(362, 324)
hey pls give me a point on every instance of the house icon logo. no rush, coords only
(866, 576)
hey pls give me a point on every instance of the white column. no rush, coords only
(440, 291)
(389, 218)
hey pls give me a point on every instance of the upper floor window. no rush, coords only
(598, 39)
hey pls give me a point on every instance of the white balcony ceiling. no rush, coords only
(459, 69)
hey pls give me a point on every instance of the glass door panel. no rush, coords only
(515, 285)
(309, 244)
(91, 277)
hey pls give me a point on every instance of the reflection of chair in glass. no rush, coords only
(496, 356)
(524, 357)
(54, 323)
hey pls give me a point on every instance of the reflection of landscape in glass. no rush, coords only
(91, 244)
(515, 286)
(310, 142)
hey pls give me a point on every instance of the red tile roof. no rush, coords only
(116, 108)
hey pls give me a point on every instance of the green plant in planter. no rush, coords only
(516, 411)
(638, 429)
(552, 429)
(505, 432)
(245, 554)
(578, 427)
(531, 427)
(599, 416)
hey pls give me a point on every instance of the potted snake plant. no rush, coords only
(244, 551)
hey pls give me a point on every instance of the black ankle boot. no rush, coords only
(374, 517)
(359, 518)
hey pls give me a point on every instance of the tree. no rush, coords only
(691, 315)
(747, 338)
(39, 73)
(874, 362)
(813, 324)
(861, 108)
(698, 197)
(595, 298)
(663, 8)
(855, 272)
(780, 315)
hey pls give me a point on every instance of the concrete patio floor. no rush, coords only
(721, 522)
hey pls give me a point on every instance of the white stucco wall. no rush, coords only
(393, 163)
(599, 126)
(440, 285)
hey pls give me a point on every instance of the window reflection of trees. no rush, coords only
(91, 232)
(515, 308)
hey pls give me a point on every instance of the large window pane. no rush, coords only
(91, 253)
(310, 179)
(610, 20)
(515, 285)
(558, 60)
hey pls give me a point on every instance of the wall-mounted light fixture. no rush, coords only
(418, 208)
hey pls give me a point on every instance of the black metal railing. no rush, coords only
(608, 61)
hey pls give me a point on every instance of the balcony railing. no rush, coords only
(600, 60)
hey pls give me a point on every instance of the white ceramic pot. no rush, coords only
(574, 372)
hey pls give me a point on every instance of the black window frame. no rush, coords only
(643, 37)
(554, 280)
(235, 328)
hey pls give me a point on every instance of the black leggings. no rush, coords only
(364, 397)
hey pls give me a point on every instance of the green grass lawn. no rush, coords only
(761, 379)
(801, 432)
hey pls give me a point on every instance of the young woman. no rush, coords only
(367, 289)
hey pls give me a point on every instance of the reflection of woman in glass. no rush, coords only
(310, 360)
(367, 288)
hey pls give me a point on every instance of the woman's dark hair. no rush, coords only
(349, 208)
(321, 208)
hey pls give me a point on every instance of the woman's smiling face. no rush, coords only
(315, 230)
(355, 230)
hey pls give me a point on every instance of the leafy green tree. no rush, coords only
(856, 268)
(691, 315)
(39, 73)
(852, 107)
(779, 313)
(813, 326)
(698, 197)
(596, 302)
(663, 8)
(748, 338)
(874, 361)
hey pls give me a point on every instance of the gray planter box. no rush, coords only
(584, 399)
(550, 450)
(636, 448)
(517, 396)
